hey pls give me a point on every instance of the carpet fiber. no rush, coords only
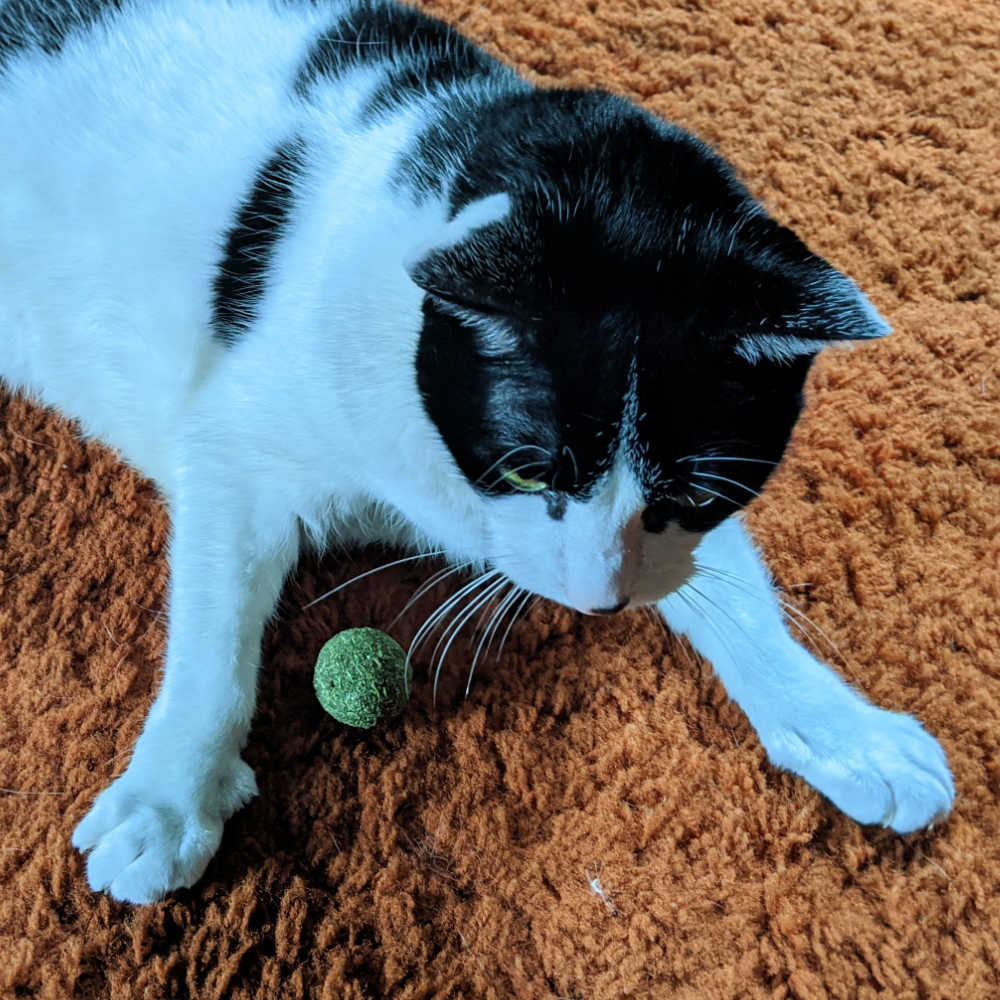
(458, 853)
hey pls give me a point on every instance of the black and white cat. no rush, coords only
(325, 271)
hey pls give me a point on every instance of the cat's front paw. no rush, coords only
(876, 766)
(145, 839)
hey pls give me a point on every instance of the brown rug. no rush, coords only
(457, 853)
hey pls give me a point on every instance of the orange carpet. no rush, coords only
(456, 854)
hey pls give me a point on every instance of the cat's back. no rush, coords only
(129, 127)
(131, 132)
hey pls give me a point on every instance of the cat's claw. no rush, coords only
(144, 841)
(879, 767)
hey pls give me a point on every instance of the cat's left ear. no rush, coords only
(464, 263)
(803, 304)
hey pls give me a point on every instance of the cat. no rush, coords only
(326, 272)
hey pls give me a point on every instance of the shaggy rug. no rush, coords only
(595, 820)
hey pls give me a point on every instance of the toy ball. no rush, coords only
(362, 677)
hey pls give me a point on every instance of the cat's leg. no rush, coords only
(155, 828)
(877, 766)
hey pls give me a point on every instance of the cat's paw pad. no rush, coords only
(876, 766)
(144, 841)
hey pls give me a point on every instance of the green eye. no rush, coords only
(525, 485)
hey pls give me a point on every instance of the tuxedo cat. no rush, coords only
(325, 271)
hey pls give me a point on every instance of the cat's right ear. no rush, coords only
(461, 263)
(795, 302)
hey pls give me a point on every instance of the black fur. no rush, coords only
(422, 54)
(260, 222)
(632, 264)
(46, 24)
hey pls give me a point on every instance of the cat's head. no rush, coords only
(615, 338)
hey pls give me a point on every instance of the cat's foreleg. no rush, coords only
(877, 766)
(155, 827)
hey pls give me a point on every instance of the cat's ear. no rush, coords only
(802, 303)
(463, 262)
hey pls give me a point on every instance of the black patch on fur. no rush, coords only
(423, 54)
(46, 24)
(556, 504)
(261, 220)
(632, 259)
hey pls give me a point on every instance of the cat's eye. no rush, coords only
(524, 485)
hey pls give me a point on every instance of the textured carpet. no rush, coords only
(457, 853)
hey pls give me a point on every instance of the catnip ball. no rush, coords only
(362, 677)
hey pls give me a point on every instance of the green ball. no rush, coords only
(362, 677)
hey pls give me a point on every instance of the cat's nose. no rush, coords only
(620, 606)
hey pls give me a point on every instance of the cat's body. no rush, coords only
(324, 270)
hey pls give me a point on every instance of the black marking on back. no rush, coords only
(424, 54)
(260, 222)
(46, 24)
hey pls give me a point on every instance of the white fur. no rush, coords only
(120, 170)
(877, 766)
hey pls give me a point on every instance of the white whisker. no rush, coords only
(724, 479)
(689, 600)
(718, 607)
(490, 630)
(655, 617)
(800, 618)
(513, 451)
(493, 624)
(377, 569)
(715, 493)
(503, 475)
(436, 616)
(517, 614)
(572, 458)
(437, 578)
(459, 623)
(725, 458)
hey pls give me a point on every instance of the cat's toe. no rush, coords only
(167, 852)
(878, 767)
(152, 848)
(146, 839)
(914, 767)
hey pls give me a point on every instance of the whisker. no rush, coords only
(377, 569)
(436, 616)
(513, 451)
(723, 479)
(801, 620)
(718, 607)
(517, 614)
(489, 634)
(351, 41)
(572, 458)
(490, 631)
(437, 578)
(799, 617)
(715, 493)
(725, 458)
(655, 617)
(520, 468)
(459, 623)
(689, 600)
